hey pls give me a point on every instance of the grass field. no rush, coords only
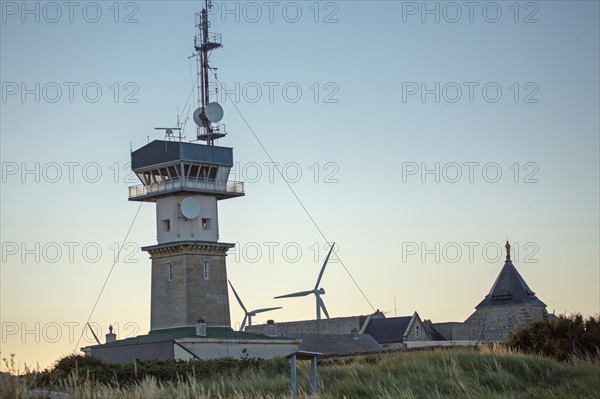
(448, 373)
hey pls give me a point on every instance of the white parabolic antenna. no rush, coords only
(190, 208)
(214, 112)
(196, 117)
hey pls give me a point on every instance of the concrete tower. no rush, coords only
(189, 275)
(186, 180)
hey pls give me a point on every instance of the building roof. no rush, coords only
(432, 332)
(510, 289)
(333, 325)
(339, 344)
(212, 333)
(388, 329)
(161, 152)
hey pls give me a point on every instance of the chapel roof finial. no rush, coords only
(507, 246)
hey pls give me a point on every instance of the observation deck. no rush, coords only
(172, 168)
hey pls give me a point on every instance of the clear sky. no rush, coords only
(419, 137)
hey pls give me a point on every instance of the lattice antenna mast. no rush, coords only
(209, 114)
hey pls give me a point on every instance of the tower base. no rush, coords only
(189, 283)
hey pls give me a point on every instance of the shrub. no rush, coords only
(87, 367)
(564, 338)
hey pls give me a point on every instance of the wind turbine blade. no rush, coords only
(323, 268)
(237, 297)
(322, 305)
(244, 323)
(264, 310)
(295, 294)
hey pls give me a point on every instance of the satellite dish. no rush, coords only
(190, 208)
(214, 112)
(197, 118)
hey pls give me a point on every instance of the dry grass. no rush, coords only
(489, 371)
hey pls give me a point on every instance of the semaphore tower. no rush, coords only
(186, 181)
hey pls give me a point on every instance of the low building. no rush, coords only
(331, 326)
(333, 336)
(187, 343)
(397, 332)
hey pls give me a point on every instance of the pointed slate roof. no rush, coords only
(510, 288)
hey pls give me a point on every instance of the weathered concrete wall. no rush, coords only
(123, 354)
(263, 349)
(393, 345)
(429, 344)
(182, 229)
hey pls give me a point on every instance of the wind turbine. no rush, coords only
(316, 291)
(248, 314)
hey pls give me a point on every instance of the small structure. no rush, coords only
(397, 332)
(303, 355)
(190, 343)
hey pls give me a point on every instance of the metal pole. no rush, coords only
(318, 309)
(313, 375)
(293, 374)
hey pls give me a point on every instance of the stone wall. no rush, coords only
(491, 324)
(456, 331)
(294, 329)
(495, 322)
(188, 296)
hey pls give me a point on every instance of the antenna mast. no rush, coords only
(208, 114)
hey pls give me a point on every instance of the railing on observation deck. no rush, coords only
(214, 40)
(212, 186)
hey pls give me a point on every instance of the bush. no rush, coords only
(87, 367)
(564, 338)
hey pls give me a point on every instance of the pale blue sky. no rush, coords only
(372, 212)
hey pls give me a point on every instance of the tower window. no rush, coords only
(169, 270)
(418, 332)
(206, 224)
(208, 172)
(206, 270)
(166, 225)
